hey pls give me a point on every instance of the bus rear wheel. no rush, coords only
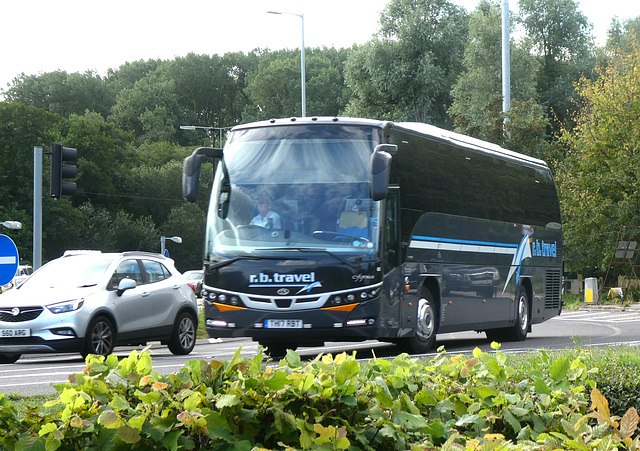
(424, 337)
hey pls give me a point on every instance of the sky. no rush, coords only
(38, 36)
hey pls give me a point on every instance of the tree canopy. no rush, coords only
(430, 61)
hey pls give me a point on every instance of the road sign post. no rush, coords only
(8, 259)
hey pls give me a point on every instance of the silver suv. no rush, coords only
(89, 302)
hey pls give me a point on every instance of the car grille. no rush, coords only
(19, 314)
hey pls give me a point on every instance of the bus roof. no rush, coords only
(418, 128)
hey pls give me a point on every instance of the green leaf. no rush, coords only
(541, 387)
(559, 369)
(277, 381)
(193, 402)
(170, 440)
(409, 420)
(511, 420)
(110, 419)
(346, 371)
(128, 435)
(484, 392)
(228, 401)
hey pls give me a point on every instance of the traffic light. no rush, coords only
(59, 170)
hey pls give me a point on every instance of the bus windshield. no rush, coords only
(297, 187)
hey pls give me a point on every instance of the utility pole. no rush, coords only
(506, 59)
(37, 207)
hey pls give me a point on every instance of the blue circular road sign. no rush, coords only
(8, 259)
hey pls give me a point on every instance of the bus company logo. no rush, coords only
(306, 281)
(543, 249)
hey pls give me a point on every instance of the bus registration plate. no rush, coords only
(283, 323)
(6, 333)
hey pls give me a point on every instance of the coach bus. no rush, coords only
(344, 229)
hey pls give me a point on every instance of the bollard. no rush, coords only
(591, 290)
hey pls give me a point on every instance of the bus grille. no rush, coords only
(553, 287)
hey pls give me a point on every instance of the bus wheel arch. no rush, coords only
(426, 326)
(524, 310)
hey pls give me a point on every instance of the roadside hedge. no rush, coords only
(331, 403)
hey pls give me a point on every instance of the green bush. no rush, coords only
(447, 402)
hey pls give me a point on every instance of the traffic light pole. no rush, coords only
(37, 207)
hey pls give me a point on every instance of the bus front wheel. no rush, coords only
(425, 334)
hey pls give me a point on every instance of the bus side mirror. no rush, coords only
(191, 170)
(380, 169)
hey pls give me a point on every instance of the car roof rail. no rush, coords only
(80, 252)
(143, 253)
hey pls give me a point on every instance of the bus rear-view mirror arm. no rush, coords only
(191, 170)
(380, 169)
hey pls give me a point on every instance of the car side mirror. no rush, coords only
(124, 285)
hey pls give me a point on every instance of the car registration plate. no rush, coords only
(283, 323)
(8, 333)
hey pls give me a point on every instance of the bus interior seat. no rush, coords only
(353, 223)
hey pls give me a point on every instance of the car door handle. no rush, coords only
(145, 294)
(176, 287)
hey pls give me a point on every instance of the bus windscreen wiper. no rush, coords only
(353, 265)
(218, 265)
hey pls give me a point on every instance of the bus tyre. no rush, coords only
(9, 358)
(425, 335)
(518, 332)
(183, 338)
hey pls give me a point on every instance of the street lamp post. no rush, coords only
(175, 239)
(210, 131)
(302, 65)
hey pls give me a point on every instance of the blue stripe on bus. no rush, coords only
(467, 242)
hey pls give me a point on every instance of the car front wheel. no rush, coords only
(9, 358)
(183, 338)
(100, 338)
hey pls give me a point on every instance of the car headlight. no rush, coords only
(66, 306)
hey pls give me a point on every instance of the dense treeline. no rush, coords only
(430, 61)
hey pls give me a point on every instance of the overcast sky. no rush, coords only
(77, 35)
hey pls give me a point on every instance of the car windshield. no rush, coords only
(295, 188)
(70, 272)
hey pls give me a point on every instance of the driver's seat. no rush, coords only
(353, 223)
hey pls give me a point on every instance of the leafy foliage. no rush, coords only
(472, 402)
(598, 182)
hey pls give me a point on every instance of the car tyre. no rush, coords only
(183, 339)
(100, 338)
(9, 358)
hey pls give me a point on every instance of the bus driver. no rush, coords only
(265, 217)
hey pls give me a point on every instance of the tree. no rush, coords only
(406, 72)
(63, 93)
(621, 37)
(599, 182)
(560, 34)
(480, 84)
(187, 221)
(152, 101)
(274, 88)
(21, 128)
(105, 156)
